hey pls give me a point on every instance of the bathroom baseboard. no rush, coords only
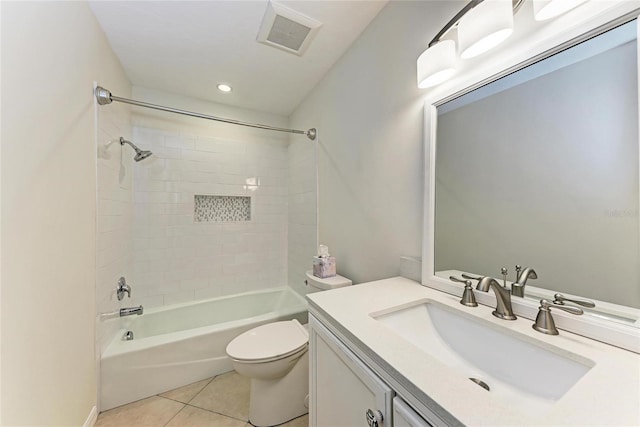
(92, 418)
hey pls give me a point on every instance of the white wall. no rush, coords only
(179, 260)
(368, 111)
(545, 174)
(52, 52)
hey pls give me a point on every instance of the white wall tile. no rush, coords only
(114, 214)
(175, 141)
(302, 219)
(209, 292)
(179, 297)
(206, 259)
(147, 302)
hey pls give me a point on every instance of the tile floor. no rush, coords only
(221, 401)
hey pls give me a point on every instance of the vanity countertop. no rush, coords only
(608, 395)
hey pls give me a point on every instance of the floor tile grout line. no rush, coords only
(175, 415)
(201, 390)
(238, 419)
(173, 400)
(218, 413)
(185, 404)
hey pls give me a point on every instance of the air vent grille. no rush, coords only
(287, 29)
(288, 33)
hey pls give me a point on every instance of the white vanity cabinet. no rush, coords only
(404, 416)
(342, 388)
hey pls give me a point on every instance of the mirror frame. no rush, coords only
(546, 41)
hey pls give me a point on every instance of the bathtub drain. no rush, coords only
(128, 336)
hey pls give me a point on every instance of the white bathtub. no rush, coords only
(184, 343)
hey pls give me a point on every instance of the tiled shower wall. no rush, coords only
(302, 208)
(114, 212)
(177, 259)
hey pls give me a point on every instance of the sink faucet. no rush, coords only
(503, 297)
(517, 288)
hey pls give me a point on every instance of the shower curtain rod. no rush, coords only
(105, 97)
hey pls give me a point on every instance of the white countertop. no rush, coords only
(609, 394)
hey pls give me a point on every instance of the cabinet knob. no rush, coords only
(374, 418)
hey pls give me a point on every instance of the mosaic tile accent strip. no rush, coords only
(222, 208)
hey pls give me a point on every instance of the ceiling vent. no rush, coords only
(287, 29)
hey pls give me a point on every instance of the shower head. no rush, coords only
(140, 154)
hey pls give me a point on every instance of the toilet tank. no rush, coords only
(317, 284)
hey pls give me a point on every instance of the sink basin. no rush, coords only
(516, 368)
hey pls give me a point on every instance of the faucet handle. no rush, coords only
(544, 320)
(560, 299)
(468, 276)
(569, 309)
(468, 297)
(122, 288)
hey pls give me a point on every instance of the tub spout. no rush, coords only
(130, 311)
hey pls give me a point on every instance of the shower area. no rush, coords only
(213, 224)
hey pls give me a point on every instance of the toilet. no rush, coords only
(317, 284)
(275, 356)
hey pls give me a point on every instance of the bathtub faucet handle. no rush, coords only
(123, 288)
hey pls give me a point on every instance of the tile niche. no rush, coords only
(208, 208)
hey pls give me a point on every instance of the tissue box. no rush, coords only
(324, 267)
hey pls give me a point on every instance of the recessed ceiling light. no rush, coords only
(223, 87)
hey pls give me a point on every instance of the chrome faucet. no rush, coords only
(128, 311)
(503, 297)
(517, 288)
(123, 288)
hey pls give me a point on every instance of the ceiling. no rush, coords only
(187, 47)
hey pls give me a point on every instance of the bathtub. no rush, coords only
(180, 344)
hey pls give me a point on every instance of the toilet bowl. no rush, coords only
(275, 357)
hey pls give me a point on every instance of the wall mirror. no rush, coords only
(540, 168)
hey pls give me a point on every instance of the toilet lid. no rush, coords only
(269, 341)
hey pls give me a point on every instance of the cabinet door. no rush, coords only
(404, 416)
(342, 387)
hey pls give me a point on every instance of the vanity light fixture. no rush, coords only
(481, 26)
(223, 87)
(547, 9)
(484, 27)
(437, 64)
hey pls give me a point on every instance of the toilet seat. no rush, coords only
(269, 342)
